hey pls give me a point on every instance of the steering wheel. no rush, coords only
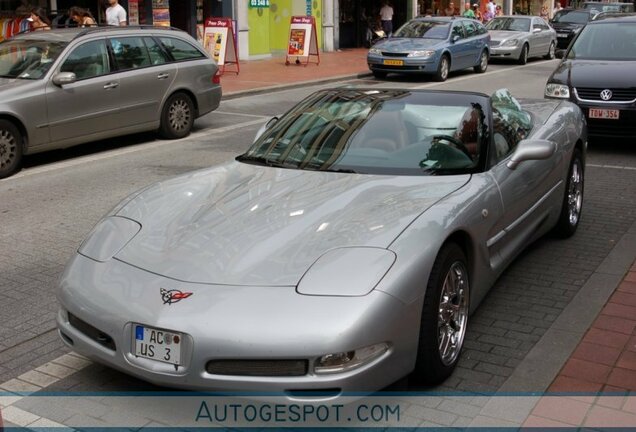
(456, 143)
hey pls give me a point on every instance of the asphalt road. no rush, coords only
(47, 209)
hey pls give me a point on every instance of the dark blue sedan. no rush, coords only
(432, 45)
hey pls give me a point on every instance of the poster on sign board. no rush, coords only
(218, 41)
(133, 12)
(303, 39)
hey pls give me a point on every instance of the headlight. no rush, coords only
(108, 237)
(375, 51)
(560, 91)
(344, 361)
(331, 274)
(424, 54)
(511, 42)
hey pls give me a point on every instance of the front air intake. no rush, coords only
(273, 368)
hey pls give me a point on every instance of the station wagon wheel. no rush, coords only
(551, 52)
(573, 198)
(10, 148)
(444, 316)
(177, 116)
(483, 63)
(443, 69)
(523, 57)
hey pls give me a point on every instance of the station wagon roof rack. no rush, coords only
(95, 29)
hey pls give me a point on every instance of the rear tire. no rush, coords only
(523, 57)
(177, 116)
(572, 198)
(551, 52)
(443, 69)
(10, 148)
(483, 63)
(379, 74)
(444, 316)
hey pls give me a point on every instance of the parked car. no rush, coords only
(598, 73)
(568, 23)
(65, 87)
(432, 45)
(521, 37)
(342, 251)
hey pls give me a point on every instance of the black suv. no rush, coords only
(569, 22)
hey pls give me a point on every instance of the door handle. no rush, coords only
(163, 76)
(111, 85)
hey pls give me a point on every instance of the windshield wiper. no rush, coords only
(260, 160)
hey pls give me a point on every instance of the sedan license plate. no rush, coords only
(607, 114)
(562, 35)
(155, 344)
(394, 62)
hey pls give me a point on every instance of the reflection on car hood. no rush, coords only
(11, 83)
(595, 73)
(500, 35)
(407, 44)
(241, 224)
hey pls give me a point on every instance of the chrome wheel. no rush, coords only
(179, 115)
(483, 64)
(453, 313)
(523, 57)
(575, 193)
(551, 51)
(443, 69)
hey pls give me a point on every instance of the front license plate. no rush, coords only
(562, 35)
(607, 114)
(155, 344)
(394, 62)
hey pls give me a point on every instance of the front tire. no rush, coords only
(10, 148)
(572, 199)
(551, 52)
(443, 69)
(523, 57)
(483, 63)
(444, 316)
(177, 116)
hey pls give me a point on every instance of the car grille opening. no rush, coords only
(618, 95)
(92, 332)
(314, 393)
(66, 338)
(394, 54)
(258, 367)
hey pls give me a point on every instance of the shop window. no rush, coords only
(180, 50)
(88, 60)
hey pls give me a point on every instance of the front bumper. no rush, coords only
(506, 52)
(409, 64)
(234, 323)
(564, 39)
(623, 127)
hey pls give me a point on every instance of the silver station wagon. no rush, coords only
(65, 87)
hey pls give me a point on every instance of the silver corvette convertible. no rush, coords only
(345, 249)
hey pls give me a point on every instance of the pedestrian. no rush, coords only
(557, 8)
(544, 12)
(491, 9)
(450, 10)
(468, 12)
(115, 14)
(83, 17)
(386, 17)
(39, 20)
(477, 12)
(498, 11)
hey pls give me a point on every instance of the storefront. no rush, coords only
(358, 17)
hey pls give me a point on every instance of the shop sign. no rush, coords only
(259, 3)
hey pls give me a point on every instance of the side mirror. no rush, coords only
(64, 78)
(271, 122)
(559, 54)
(536, 30)
(532, 149)
(454, 39)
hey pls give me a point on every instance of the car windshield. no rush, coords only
(28, 58)
(423, 29)
(376, 132)
(571, 17)
(509, 24)
(601, 7)
(606, 41)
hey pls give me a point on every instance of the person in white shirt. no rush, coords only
(386, 16)
(115, 14)
(491, 7)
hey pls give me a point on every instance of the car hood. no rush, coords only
(593, 73)
(407, 44)
(500, 35)
(241, 224)
(7, 84)
(566, 27)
